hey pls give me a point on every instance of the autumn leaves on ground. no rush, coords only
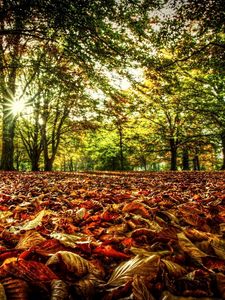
(112, 235)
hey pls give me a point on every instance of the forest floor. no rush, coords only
(110, 235)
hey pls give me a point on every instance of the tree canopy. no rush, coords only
(112, 84)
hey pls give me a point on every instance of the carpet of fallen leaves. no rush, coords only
(106, 236)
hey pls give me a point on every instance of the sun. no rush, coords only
(16, 106)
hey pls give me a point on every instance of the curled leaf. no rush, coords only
(188, 247)
(218, 246)
(153, 226)
(59, 290)
(71, 240)
(86, 287)
(168, 216)
(30, 239)
(16, 289)
(80, 213)
(9, 260)
(118, 228)
(205, 247)
(35, 222)
(73, 262)
(27, 270)
(196, 235)
(140, 289)
(173, 268)
(137, 208)
(142, 266)
(108, 250)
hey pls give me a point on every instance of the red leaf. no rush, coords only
(28, 270)
(110, 251)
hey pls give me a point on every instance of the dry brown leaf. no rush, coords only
(218, 245)
(188, 247)
(86, 287)
(30, 239)
(35, 222)
(173, 268)
(140, 289)
(139, 265)
(71, 240)
(73, 262)
(17, 289)
(59, 290)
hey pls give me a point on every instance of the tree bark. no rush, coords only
(196, 163)
(185, 160)
(173, 152)
(35, 163)
(48, 161)
(121, 148)
(48, 164)
(8, 125)
(8, 89)
(33, 147)
(223, 149)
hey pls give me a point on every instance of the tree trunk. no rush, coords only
(8, 125)
(173, 152)
(71, 168)
(48, 164)
(196, 163)
(33, 149)
(144, 162)
(8, 89)
(185, 159)
(35, 163)
(121, 149)
(223, 149)
(52, 139)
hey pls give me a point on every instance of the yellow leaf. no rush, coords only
(35, 222)
(188, 247)
(73, 262)
(30, 239)
(173, 268)
(139, 265)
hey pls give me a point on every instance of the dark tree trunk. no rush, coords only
(8, 89)
(121, 149)
(48, 164)
(8, 134)
(223, 150)
(144, 162)
(35, 163)
(36, 147)
(71, 167)
(52, 139)
(33, 148)
(196, 163)
(185, 160)
(173, 152)
(47, 160)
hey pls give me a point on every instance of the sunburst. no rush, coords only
(15, 104)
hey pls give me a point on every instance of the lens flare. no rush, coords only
(17, 106)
